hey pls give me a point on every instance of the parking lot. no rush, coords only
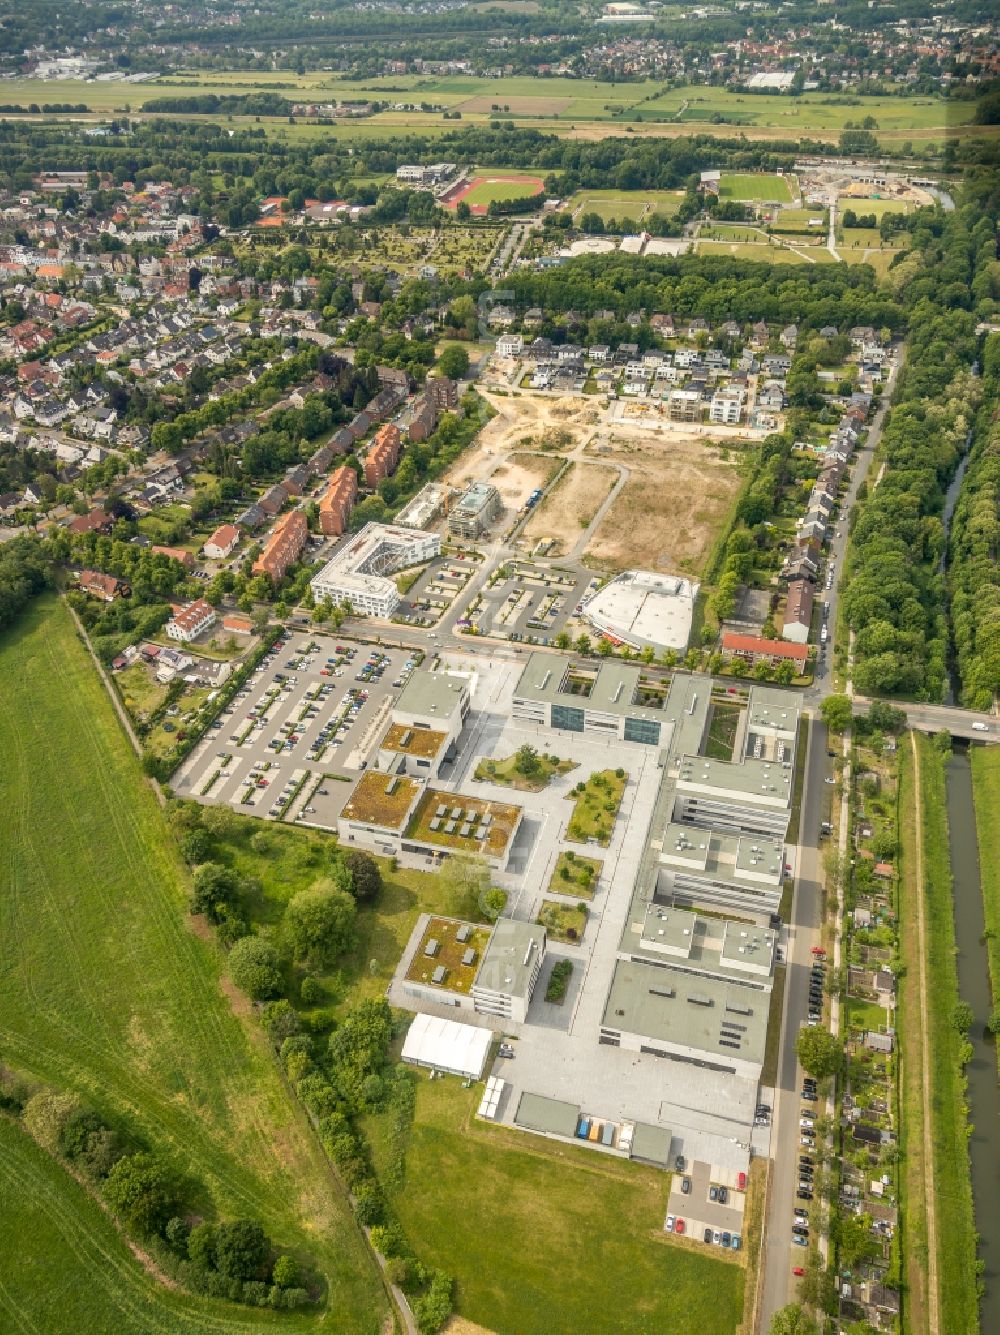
(530, 603)
(434, 591)
(296, 737)
(712, 1207)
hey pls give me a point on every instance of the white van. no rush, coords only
(980, 727)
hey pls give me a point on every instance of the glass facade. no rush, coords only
(568, 717)
(642, 730)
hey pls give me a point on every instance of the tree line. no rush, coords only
(894, 598)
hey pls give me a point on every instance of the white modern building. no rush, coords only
(359, 572)
(644, 609)
(509, 971)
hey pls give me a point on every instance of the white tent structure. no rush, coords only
(445, 1045)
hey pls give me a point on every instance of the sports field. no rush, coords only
(481, 191)
(107, 990)
(634, 204)
(750, 186)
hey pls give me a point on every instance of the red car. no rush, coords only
(818, 950)
(741, 1182)
(798, 1270)
(679, 1226)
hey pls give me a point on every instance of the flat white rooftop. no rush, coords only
(642, 607)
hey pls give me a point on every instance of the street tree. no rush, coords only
(820, 1052)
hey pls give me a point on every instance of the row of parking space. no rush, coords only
(305, 705)
(434, 591)
(532, 605)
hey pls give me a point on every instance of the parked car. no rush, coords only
(708, 1235)
(670, 1223)
(679, 1226)
(713, 1193)
(686, 1186)
(723, 1195)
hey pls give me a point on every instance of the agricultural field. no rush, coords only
(751, 186)
(78, 1257)
(108, 991)
(570, 107)
(599, 1259)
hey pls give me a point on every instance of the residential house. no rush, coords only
(756, 650)
(189, 622)
(105, 587)
(223, 542)
(798, 611)
(338, 501)
(283, 547)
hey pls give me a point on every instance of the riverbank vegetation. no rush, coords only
(974, 555)
(894, 597)
(986, 791)
(927, 952)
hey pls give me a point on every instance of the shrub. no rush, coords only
(142, 1191)
(369, 1206)
(177, 1232)
(366, 879)
(255, 1293)
(201, 1246)
(434, 1308)
(285, 1272)
(253, 967)
(310, 990)
(280, 1021)
(47, 1116)
(241, 1247)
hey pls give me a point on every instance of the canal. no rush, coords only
(974, 988)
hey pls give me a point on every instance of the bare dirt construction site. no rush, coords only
(667, 517)
(570, 506)
(510, 449)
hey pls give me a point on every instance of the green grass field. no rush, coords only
(986, 789)
(495, 185)
(544, 1237)
(750, 186)
(926, 803)
(559, 105)
(60, 1252)
(632, 204)
(108, 991)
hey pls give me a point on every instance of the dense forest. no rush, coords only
(974, 554)
(894, 599)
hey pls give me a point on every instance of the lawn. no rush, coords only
(986, 791)
(285, 859)
(565, 922)
(762, 254)
(924, 804)
(722, 728)
(506, 772)
(142, 695)
(575, 875)
(595, 806)
(543, 1237)
(750, 186)
(109, 992)
(632, 204)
